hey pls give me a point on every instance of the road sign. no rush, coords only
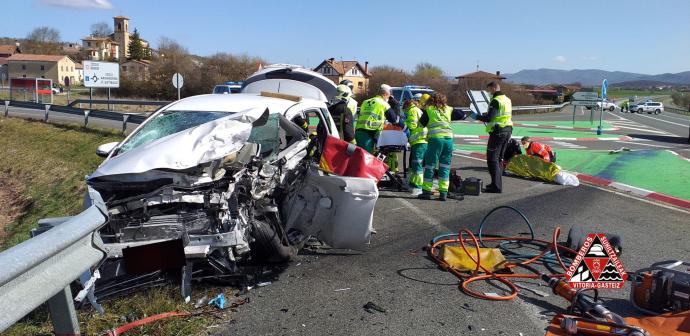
(585, 96)
(604, 88)
(589, 103)
(177, 80)
(101, 74)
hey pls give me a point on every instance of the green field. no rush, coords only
(42, 175)
(622, 93)
(478, 129)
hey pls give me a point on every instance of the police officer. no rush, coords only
(437, 116)
(418, 144)
(371, 118)
(342, 115)
(499, 125)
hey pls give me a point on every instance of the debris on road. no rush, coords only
(263, 284)
(218, 301)
(370, 307)
(622, 149)
(200, 303)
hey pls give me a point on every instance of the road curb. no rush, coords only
(602, 182)
(484, 137)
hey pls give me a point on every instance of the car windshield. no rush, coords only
(167, 123)
(221, 89)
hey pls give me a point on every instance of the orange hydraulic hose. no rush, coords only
(123, 329)
(466, 280)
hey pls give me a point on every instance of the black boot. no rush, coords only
(425, 195)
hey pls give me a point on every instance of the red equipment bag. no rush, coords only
(346, 159)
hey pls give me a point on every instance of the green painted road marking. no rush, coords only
(564, 123)
(478, 129)
(654, 170)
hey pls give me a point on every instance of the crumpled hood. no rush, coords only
(189, 148)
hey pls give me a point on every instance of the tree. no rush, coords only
(136, 49)
(44, 35)
(101, 29)
(427, 71)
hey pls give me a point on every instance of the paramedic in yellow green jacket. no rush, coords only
(437, 116)
(418, 144)
(371, 119)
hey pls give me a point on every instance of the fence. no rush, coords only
(41, 269)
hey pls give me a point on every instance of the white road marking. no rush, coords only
(565, 144)
(672, 117)
(644, 130)
(666, 121)
(643, 144)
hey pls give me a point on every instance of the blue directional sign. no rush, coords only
(604, 88)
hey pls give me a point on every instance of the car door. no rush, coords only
(339, 210)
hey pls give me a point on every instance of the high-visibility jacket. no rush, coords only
(352, 106)
(504, 117)
(439, 122)
(418, 133)
(541, 150)
(372, 114)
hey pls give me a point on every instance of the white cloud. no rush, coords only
(86, 4)
(560, 59)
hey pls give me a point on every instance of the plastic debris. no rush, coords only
(263, 284)
(370, 307)
(218, 301)
(622, 149)
(201, 302)
(341, 289)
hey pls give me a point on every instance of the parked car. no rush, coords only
(229, 179)
(648, 106)
(227, 88)
(607, 105)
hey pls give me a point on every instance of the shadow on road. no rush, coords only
(661, 138)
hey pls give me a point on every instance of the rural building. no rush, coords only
(112, 47)
(341, 70)
(477, 80)
(55, 67)
(136, 69)
(6, 50)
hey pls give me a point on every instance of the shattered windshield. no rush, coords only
(167, 123)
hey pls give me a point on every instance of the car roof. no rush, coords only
(238, 102)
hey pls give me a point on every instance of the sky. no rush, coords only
(642, 36)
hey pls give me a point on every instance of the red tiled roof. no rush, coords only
(8, 49)
(3, 60)
(480, 74)
(37, 58)
(342, 67)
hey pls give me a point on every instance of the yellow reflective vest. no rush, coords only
(372, 114)
(504, 117)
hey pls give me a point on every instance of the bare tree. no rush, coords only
(101, 29)
(44, 35)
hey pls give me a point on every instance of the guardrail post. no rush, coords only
(124, 122)
(7, 108)
(86, 117)
(62, 313)
(45, 118)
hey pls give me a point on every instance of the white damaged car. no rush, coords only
(210, 181)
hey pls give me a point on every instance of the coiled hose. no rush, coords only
(550, 254)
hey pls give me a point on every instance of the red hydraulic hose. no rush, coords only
(129, 326)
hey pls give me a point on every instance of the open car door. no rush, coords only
(338, 210)
(292, 80)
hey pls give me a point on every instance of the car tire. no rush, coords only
(639, 111)
(268, 245)
(657, 111)
(611, 108)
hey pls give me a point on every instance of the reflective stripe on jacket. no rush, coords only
(418, 133)
(504, 115)
(439, 122)
(372, 114)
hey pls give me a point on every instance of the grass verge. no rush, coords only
(43, 167)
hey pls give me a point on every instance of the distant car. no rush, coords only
(55, 90)
(406, 92)
(649, 107)
(227, 88)
(607, 106)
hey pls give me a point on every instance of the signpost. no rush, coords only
(604, 91)
(101, 75)
(178, 82)
(587, 99)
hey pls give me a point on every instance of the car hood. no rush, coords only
(189, 148)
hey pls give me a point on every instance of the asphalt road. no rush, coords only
(323, 292)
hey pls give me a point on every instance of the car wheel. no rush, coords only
(268, 245)
(639, 111)
(612, 108)
(657, 111)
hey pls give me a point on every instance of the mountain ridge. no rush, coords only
(588, 77)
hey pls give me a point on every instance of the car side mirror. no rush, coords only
(105, 149)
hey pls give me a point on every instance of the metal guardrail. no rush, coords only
(677, 110)
(119, 102)
(538, 107)
(41, 269)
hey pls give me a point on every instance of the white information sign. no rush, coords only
(101, 74)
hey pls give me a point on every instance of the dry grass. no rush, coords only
(47, 164)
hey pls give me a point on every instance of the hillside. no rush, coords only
(592, 77)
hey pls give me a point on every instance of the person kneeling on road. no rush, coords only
(542, 151)
(437, 116)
